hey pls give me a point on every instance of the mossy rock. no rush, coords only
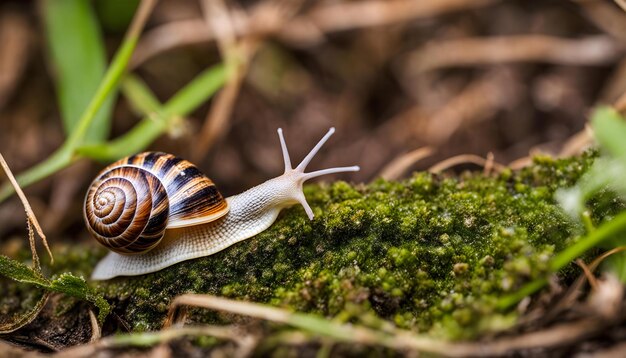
(431, 253)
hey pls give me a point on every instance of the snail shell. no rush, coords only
(133, 201)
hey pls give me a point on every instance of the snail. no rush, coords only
(153, 210)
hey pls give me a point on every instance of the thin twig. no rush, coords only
(236, 55)
(219, 20)
(399, 339)
(29, 213)
(591, 50)
(587, 272)
(95, 328)
(33, 247)
(621, 4)
(471, 105)
(606, 17)
(464, 159)
(139, 19)
(620, 104)
(365, 14)
(488, 167)
(577, 143)
(401, 164)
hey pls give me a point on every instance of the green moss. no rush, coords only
(430, 253)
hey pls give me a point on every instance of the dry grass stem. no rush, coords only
(402, 340)
(598, 260)
(222, 304)
(237, 56)
(141, 16)
(464, 159)
(471, 106)
(96, 333)
(372, 13)
(587, 272)
(620, 104)
(10, 350)
(216, 121)
(401, 164)
(521, 162)
(577, 143)
(29, 213)
(33, 247)
(591, 50)
(621, 4)
(606, 16)
(556, 336)
(219, 20)
(488, 168)
(169, 36)
(574, 145)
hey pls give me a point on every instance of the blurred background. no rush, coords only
(407, 84)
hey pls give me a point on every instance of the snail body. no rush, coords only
(186, 217)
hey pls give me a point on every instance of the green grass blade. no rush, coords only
(197, 91)
(140, 96)
(610, 131)
(109, 84)
(159, 118)
(79, 60)
(133, 141)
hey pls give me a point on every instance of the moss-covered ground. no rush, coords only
(431, 253)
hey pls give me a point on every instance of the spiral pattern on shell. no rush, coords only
(126, 210)
(133, 201)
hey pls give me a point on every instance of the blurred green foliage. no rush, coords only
(604, 185)
(78, 58)
(115, 15)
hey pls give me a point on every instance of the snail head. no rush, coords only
(295, 177)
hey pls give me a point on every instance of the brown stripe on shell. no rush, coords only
(192, 195)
